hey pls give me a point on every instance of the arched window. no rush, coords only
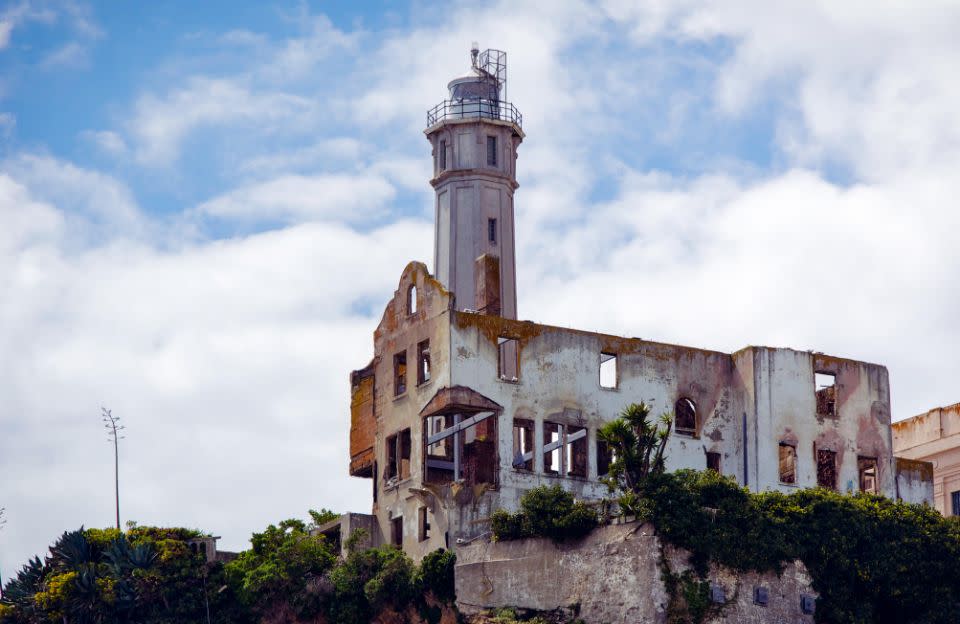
(412, 299)
(685, 413)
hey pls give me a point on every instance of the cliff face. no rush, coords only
(622, 574)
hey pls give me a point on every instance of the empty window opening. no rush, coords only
(608, 370)
(867, 467)
(827, 469)
(522, 444)
(398, 457)
(713, 461)
(955, 503)
(551, 448)
(826, 389)
(412, 299)
(564, 450)
(604, 458)
(685, 413)
(400, 373)
(423, 362)
(508, 359)
(461, 447)
(788, 463)
(492, 231)
(492, 151)
(443, 154)
(396, 531)
(575, 458)
(423, 524)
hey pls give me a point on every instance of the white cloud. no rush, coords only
(6, 27)
(106, 140)
(161, 123)
(294, 198)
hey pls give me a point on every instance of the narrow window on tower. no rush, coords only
(492, 231)
(423, 362)
(400, 373)
(867, 467)
(442, 156)
(491, 151)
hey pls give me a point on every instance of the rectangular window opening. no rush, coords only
(575, 445)
(508, 359)
(955, 503)
(604, 458)
(396, 531)
(461, 447)
(492, 151)
(551, 448)
(788, 463)
(492, 231)
(867, 467)
(443, 154)
(398, 457)
(423, 362)
(522, 444)
(423, 529)
(713, 461)
(608, 370)
(400, 373)
(826, 391)
(826, 469)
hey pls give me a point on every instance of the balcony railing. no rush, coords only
(473, 109)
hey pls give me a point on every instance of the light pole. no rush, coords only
(113, 435)
(3, 521)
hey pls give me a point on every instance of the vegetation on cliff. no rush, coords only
(151, 575)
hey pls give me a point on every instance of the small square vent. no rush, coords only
(807, 604)
(760, 596)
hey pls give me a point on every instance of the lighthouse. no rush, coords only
(475, 134)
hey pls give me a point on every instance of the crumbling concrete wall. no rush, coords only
(613, 576)
(934, 437)
(915, 481)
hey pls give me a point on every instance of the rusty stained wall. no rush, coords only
(933, 437)
(363, 422)
(613, 576)
(399, 331)
(559, 382)
(782, 407)
(915, 481)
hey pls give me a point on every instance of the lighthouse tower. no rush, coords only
(475, 134)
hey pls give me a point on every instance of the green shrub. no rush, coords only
(544, 512)
(436, 575)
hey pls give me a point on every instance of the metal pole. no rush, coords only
(113, 433)
(3, 521)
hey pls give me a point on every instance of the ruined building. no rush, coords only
(933, 439)
(463, 407)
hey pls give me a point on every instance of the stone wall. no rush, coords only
(614, 575)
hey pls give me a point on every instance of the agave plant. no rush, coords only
(85, 600)
(20, 591)
(143, 556)
(71, 550)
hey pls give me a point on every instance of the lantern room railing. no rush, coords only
(474, 109)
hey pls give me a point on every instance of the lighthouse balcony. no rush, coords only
(474, 109)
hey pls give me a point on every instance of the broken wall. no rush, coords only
(613, 576)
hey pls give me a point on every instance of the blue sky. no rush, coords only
(203, 209)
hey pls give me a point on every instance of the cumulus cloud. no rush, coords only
(294, 198)
(161, 123)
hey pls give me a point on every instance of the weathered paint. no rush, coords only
(769, 390)
(934, 437)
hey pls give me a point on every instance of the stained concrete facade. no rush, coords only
(463, 408)
(934, 437)
(614, 575)
(747, 406)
